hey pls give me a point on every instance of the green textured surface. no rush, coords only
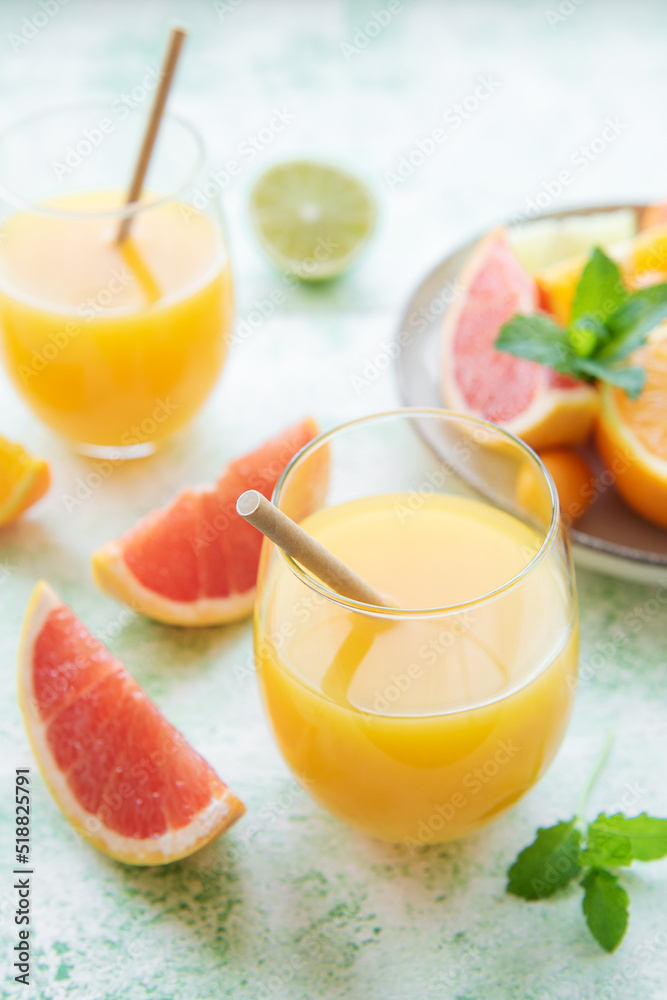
(292, 904)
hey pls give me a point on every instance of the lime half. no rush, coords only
(311, 218)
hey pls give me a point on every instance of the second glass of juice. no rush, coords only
(113, 345)
(421, 724)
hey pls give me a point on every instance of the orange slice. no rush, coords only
(557, 285)
(574, 480)
(536, 403)
(195, 562)
(654, 215)
(123, 776)
(632, 435)
(23, 480)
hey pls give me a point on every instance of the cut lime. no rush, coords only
(312, 219)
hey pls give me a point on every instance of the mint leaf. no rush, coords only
(538, 338)
(587, 335)
(605, 907)
(630, 377)
(600, 290)
(633, 320)
(548, 864)
(608, 323)
(619, 840)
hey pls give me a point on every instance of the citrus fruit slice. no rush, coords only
(122, 775)
(574, 480)
(649, 252)
(643, 262)
(654, 215)
(544, 408)
(23, 480)
(632, 435)
(195, 562)
(557, 285)
(545, 242)
(312, 219)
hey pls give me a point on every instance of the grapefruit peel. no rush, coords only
(221, 812)
(556, 410)
(208, 545)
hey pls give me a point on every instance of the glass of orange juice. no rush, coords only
(113, 345)
(421, 724)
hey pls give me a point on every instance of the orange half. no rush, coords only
(632, 435)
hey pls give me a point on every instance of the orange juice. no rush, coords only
(424, 728)
(114, 346)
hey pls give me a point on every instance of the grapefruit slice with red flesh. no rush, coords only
(123, 776)
(195, 562)
(541, 406)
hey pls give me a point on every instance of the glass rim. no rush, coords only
(125, 211)
(423, 613)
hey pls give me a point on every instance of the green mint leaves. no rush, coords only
(616, 840)
(605, 907)
(558, 855)
(548, 864)
(608, 322)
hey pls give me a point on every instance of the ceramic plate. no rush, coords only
(610, 537)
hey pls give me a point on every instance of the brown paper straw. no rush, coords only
(166, 76)
(302, 547)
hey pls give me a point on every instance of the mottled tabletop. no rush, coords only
(291, 903)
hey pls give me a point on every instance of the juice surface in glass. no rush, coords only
(424, 728)
(113, 345)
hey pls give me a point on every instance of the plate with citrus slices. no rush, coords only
(556, 329)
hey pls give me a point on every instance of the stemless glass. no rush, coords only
(113, 346)
(424, 723)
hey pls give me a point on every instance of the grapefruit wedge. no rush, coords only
(195, 562)
(122, 775)
(544, 408)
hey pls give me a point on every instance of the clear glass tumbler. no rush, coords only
(114, 345)
(422, 723)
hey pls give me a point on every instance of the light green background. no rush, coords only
(360, 918)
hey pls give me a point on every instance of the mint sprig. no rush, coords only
(607, 324)
(605, 907)
(548, 864)
(561, 852)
